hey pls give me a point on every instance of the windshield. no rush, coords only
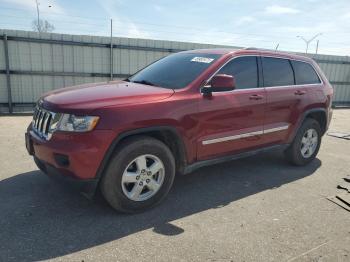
(174, 71)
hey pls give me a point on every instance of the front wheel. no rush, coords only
(306, 143)
(139, 175)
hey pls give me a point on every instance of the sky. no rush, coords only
(246, 23)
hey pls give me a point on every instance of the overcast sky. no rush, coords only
(263, 23)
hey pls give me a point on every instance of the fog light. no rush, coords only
(61, 160)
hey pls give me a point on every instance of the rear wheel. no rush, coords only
(139, 175)
(306, 143)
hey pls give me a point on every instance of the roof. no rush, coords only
(253, 51)
(219, 51)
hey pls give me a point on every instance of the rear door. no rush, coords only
(285, 101)
(308, 80)
(232, 121)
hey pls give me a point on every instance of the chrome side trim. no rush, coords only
(275, 129)
(229, 138)
(292, 86)
(244, 135)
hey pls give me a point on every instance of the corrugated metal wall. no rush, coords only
(337, 70)
(39, 66)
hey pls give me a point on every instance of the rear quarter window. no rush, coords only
(304, 73)
(277, 72)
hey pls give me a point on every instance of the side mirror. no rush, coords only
(219, 83)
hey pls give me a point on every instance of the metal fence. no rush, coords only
(31, 64)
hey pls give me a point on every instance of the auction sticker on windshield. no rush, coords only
(202, 60)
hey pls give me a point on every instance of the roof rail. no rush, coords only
(273, 50)
(255, 48)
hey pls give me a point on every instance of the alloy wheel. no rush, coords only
(143, 177)
(309, 143)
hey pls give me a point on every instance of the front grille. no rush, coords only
(42, 120)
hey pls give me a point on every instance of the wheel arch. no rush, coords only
(319, 114)
(167, 134)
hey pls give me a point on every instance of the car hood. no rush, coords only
(88, 97)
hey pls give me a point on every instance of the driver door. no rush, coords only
(232, 121)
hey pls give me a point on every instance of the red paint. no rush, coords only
(223, 81)
(124, 106)
(85, 98)
(229, 114)
(85, 151)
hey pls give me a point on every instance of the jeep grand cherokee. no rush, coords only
(188, 110)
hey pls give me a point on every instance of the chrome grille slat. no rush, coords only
(41, 122)
(45, 122)
(37, 120)
(43, 118)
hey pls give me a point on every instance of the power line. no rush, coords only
(201, 29)
(243, 37)
(119, 28)
(102, 31)
(53, 20)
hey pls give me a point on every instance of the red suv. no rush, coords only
(188, 110)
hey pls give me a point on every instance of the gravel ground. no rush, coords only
(255, 209)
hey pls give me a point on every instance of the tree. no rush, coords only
(42, 26)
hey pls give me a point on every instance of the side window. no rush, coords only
(304, 73)
(245, 71)
(277, 72)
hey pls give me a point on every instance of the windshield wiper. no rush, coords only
(144, 82)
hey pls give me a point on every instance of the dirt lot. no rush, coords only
(256, 209)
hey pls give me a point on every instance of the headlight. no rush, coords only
(75, 123)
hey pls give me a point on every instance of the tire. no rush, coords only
(297, 153)
(126, 197)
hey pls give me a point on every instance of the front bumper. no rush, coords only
(72, 157)
(85, 186)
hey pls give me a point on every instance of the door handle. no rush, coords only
(300, 92)
(256, 97)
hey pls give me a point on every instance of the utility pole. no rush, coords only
(277, 46)
(38, 14)
(111, 53)
(307, 42)
(317, 46)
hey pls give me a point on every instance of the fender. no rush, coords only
(302, 118)
(140, 131)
